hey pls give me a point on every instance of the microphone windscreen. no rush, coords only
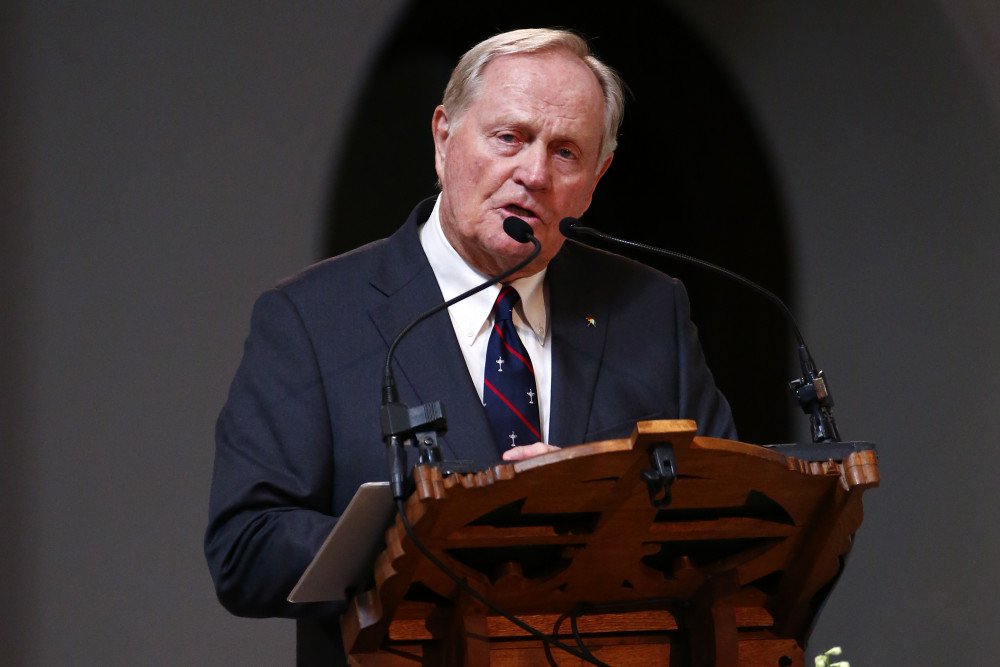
(566, 226)
(517, 229)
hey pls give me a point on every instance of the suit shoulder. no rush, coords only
(340, 271)
(606, 266)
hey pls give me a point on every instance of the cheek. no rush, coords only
(585, 194)
(462, 170)
(482, 169)
(480, 166)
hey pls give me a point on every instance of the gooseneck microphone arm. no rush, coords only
(403, 425)
(810, 390)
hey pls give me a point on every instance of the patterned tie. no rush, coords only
(509, 394)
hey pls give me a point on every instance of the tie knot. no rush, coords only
(505, 303)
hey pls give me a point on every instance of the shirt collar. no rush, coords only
(471, 316)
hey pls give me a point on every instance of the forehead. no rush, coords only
(552, 83)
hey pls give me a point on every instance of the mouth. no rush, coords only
(525, 214)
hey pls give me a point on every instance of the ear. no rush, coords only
(439, 130)
(604, 168)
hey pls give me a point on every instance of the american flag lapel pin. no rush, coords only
(591, 322)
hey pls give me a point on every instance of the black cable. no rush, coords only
(401, 509)
(575, 630)
(703, 264)
(555, 632)
(811, 390)
(514, 231)
(610, 607)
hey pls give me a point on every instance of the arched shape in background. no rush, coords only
(689, 174)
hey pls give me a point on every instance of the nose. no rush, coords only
(533, 169)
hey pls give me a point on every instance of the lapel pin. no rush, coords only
(591, 322)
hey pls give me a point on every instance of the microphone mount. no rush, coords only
(810, 390)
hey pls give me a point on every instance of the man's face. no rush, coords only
(528, 145)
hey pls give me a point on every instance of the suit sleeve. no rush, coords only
(270, 501)
(700, 399)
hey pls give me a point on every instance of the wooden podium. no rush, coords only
(665, 548)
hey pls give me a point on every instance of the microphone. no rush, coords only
(810, 390)
(519, 230)
(402, 425)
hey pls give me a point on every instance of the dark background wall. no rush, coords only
(162, 164)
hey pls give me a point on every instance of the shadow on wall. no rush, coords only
(690, 174)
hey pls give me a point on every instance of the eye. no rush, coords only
(507, 137)
(566, 153)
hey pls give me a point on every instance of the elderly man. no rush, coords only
(527, 128)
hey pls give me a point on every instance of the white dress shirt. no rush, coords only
(472, 318)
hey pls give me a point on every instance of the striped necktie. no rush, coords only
(509, 394)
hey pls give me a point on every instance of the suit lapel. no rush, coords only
(579, 333)
(428, 364)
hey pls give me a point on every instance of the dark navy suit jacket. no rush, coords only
(300, 430)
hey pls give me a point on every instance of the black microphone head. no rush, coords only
(566, 226)
(517, 229)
